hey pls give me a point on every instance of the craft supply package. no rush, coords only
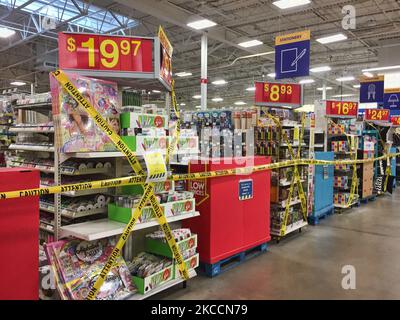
(78, 132)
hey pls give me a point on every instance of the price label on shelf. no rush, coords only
(156, 167)
(98, 52)
(342, 108)
(395, 120)
(377, 114)
(278, 94)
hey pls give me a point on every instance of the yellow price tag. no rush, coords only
(156, 168)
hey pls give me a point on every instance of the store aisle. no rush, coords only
(308, 265)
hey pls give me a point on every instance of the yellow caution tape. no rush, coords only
(177, 130)
(148, 188)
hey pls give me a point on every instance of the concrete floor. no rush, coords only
(308, 265)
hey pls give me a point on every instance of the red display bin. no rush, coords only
(228, 225)
(19, 236)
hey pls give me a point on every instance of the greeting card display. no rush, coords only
(78, 132)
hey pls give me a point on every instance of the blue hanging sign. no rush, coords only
(392, 100)
(292, 55)
(371, 89)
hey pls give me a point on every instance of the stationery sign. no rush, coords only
(292, 55)
(165, 57)
(377, 114)
(371, 89)
(342, 108)
(278, 94)
(392, 99)
(395, 120)
(85, 51)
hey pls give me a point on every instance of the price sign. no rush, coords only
(342, 108)
(377, 114)
(395, 120)
(278, 94)
(165, 57)
(106, 53)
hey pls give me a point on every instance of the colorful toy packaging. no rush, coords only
(78, 131)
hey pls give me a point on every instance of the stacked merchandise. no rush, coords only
(6, 137)
(155, 267)
(343, 141)
(368, 149)
(270, 141)
(77, 264)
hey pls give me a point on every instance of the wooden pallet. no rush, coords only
(321, 214)
(214, 269)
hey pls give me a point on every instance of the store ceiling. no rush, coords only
(377, 21)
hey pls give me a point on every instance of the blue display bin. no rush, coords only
(323, 188)
(393, 166)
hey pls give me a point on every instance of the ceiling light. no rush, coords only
(198, 107)
(250, 43)
(183, 74)
(342, 79)
(251, 89)
(196, 96)
(201, 24)
(368, 74)
(240, 103)
(382, 68)
(357, 86)
(18, 83)
(333, 38)
(271, 75)
(286, 4)
(219, 82)
(326, 88)
(343, 95)
(306, 81)
(321, 69)
(156, 91)
(217, 99)
(5, 32)
(182, 104)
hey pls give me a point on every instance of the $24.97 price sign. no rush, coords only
(342, 108)
(377, 114)
(97, 52)
(277, 94)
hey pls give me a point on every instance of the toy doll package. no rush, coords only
(78, 132)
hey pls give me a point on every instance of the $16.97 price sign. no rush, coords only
(278, 94)
(342, 108)
(377, 114)
(97, 52)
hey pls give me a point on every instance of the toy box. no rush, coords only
(144, 285)
(191, 263)
(162, 248)
(78, 132)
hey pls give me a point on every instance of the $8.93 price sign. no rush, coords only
(395, 120)
(342, 108)
(276, 94)
(96, 52)
(377, 114)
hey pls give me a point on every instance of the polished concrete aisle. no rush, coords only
(308, 265)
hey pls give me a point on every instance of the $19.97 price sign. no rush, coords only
(377, 114)
(97, 52)
(342, 108)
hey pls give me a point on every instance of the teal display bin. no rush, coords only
(323, 188)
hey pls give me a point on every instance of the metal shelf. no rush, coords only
(74, 214)
(23, 147)
(282, 204)
(103, 228)
(33, 105)
(91, 155)
(84, 192)
(36, 129)
(290, 228)
(288, 183)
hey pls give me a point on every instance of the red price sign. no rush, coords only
(342, 108)
(377, 114)
(278, 94)
(395, 120)
(98, 52)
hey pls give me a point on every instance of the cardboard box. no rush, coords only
(143, 120)
(145, 285)
(162, 248)
(191, 263)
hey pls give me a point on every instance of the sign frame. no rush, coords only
(368, 116)
(330, 115)
(283, 105)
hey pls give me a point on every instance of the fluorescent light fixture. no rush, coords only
(368, 74)
(306, 81)
(198, 107)
(287, 4)
(219, 82)
(321, 69)
(343, 95)
(343, 79)
(5, 32)
(382, 68)
(271, 75)
(156, 91)
(217, 99)
(196, 96)
(326, 88)
(18, 83)
(201, 24)
(182, 104)
(333, 38)
(250, 43)
(183, 74)
(240, 103)
(357, 86)
(251, 89)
